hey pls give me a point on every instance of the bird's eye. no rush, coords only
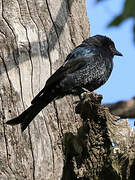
(110, 47)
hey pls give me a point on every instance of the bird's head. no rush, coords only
(105, 43)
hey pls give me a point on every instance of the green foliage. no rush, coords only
(127, 12)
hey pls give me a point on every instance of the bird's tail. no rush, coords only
(28, 115)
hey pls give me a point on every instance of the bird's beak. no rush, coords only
(116, 52)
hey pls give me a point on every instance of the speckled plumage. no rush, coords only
(88, 66)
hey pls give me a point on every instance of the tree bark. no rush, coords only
(35, 38)
(124, 109)
(103, 148)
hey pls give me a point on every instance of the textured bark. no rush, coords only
(35, 37)
(89, 153)
(124, 109)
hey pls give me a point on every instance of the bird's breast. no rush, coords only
(94, 75)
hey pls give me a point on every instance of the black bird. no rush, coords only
(87, 67)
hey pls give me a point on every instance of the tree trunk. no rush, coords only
(35, 38)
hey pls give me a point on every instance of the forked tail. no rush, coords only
(28, 115)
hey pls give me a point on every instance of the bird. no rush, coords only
(86, 68)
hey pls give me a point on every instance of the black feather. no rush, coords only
(88, 66)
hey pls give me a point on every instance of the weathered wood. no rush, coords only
(102, 148)
(124, 109)
(35, 37)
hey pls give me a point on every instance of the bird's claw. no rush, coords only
(85, 90)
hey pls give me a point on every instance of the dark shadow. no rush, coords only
(109, 172)
(132, 171)
(54, 33)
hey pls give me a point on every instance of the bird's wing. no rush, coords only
(76, 60)
(67, 68)
(79, 52)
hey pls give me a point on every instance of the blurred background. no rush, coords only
(115, 19)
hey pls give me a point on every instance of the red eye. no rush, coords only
(110, 47)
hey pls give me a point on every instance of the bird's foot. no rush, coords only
(85, 90)
(81, 96)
